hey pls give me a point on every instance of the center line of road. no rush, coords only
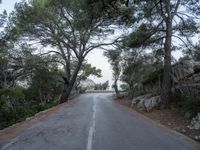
(92, 127)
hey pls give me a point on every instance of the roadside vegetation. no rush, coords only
(44, 47)
(152, 77)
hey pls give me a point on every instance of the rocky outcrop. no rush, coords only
(146, 102)
(139, 99)
(195, 122)
(152, 103)
(182, 70)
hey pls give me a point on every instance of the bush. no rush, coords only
(44, 106)
(12, 106)
(124, 87)
(18, 103)
(187, 103)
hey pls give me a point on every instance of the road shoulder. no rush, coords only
(157, 124)
(13, 131)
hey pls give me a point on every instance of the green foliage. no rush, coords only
(124, 87)
(11, 94)
(88, 70)
(44, 105)
(153, 77)
(12, 106)
(15, 105)
(187, 104)
(114, 57)
(102, 86)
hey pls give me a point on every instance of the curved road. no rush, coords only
(94, 122)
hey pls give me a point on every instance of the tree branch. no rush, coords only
(176, 8)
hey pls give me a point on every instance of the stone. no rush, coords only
(197, 137)
(169, 124)
(141, 104)
(195, 123)
(138, 99)
(152, 103)
(183, 130)
(29, 118)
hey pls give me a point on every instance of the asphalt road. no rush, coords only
(94, 122)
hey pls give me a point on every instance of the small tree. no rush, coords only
(115, 59)
(86, 71)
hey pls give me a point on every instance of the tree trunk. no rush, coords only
(68, 86)
(166, 86)
(116, 88)
(66, 92)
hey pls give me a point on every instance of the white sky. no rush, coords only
(96, 57)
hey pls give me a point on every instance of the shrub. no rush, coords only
(187, 103)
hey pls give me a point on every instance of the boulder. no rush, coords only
(146, 102)
(151, 103)
(141, 104)
(195, 122)
(140, 100)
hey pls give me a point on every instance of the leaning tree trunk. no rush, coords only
(68, 86)
(166, 85)
(66, 92)
(116, 88)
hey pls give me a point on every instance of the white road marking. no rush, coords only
(13, 141)
(92, 127)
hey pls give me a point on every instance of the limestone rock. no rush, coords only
(140, 99)
(151, 103)
(146, 102)
(195, 122)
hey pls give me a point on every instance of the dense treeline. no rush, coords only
(143, 58)
(101, 86)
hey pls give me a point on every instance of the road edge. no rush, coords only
(161, 126)
(11, 132)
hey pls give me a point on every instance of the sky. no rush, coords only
(96, 57)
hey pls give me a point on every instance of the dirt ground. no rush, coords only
(170, 118)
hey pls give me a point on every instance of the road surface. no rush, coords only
(94, 122)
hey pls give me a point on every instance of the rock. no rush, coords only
(138, 99)
(182, 69)
(141, 104)
(195, 122)
(146, 102)
(169, 124)
(183, 130)
(29, 118)
(151, 103)
(197, 137)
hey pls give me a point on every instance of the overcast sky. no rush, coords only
(96, 57)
